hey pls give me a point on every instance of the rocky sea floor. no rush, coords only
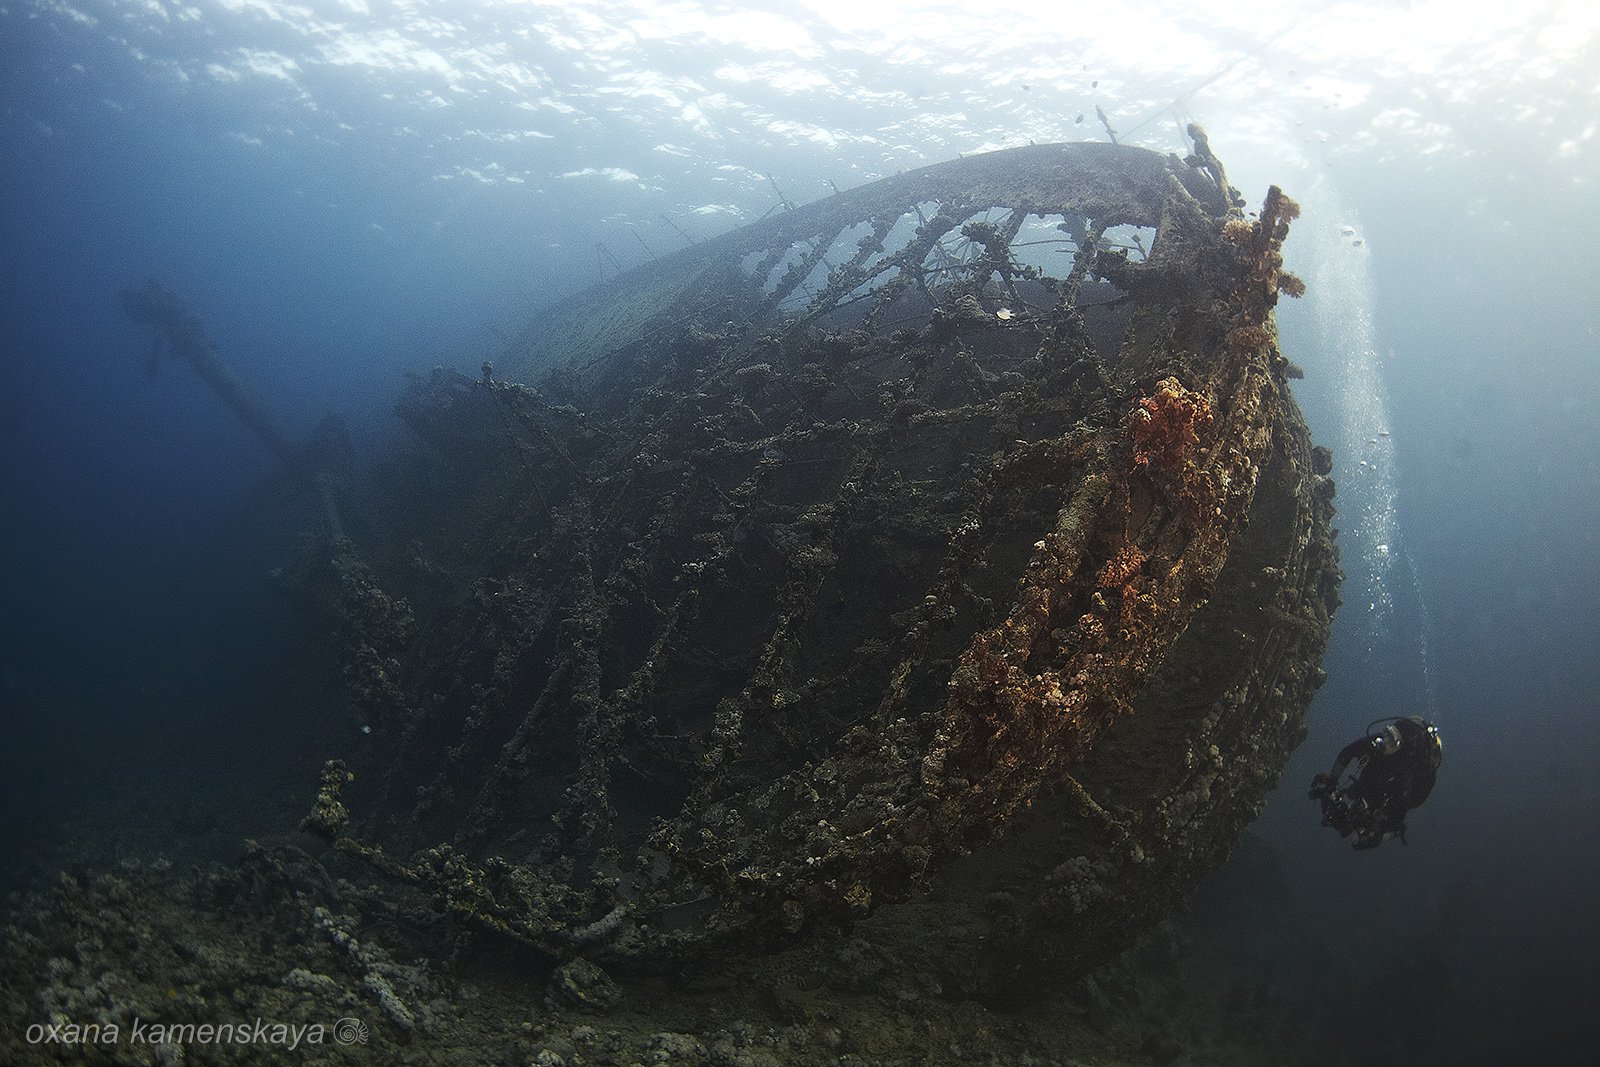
(146, 947)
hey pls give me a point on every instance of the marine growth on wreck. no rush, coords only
(944, 558)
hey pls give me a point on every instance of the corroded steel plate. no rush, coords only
(944, 557)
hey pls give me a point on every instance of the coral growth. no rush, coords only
(1123, 565)
(735, 637)
(1249, 338)
(1164, 429)
(329, 817)
(1259, 246)
(1163, 426)
(1238, 231)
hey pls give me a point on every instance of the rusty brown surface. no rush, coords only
(860, 564)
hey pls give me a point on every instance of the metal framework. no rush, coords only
(949, 540)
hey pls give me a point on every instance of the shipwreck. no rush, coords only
(946, 558)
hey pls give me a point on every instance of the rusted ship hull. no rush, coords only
(947, 557)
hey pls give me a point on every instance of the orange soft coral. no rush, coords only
(1163, 426)
(1120, 567)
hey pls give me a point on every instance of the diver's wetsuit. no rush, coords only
(1389, 783)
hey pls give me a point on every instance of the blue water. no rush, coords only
(344, 192)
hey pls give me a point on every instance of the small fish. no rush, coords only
(1383, 433)
(1079, 120)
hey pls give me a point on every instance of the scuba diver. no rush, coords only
(1396, 768)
